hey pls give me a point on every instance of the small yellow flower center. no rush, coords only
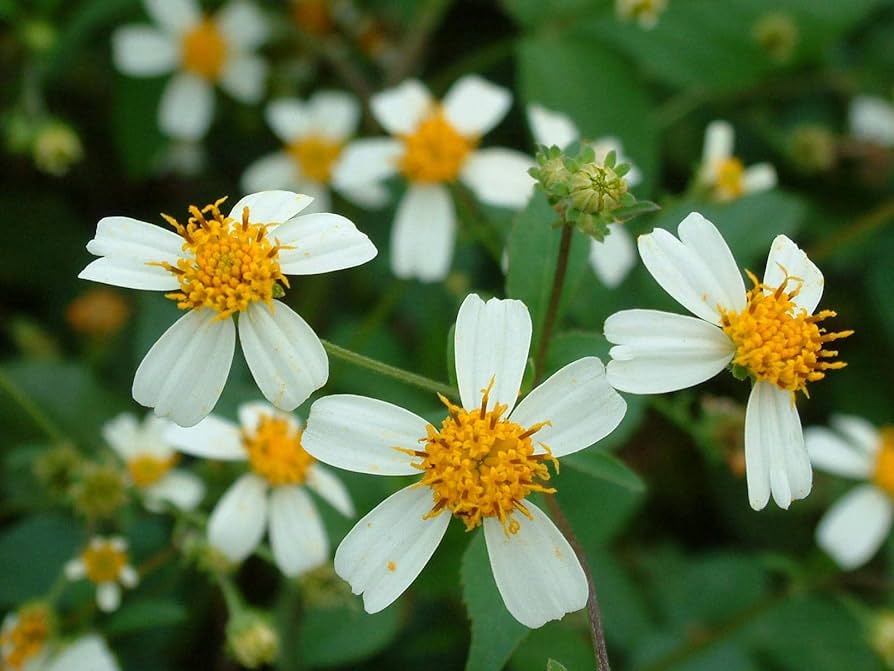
(883, 476)
(229, 264)
(26, 637)
(778, 342)
(103, 561)
(147, 469)
(315, 156)
(275, 452)
(481, 465)
(204, 50)
(434, 152)
(730, 181)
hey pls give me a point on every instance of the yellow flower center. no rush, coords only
(275, 452)
(730, 181)
(315, 156)
(103, 561)
(147, 469)
(434, 152)
(26, 637)
(778, 342)
(481, 465)
(884, 462)
(204, 50)
(229, 264)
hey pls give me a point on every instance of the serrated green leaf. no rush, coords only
(604, 466)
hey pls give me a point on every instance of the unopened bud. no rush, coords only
(596, 189)
(881, 636)
(777, 35)
(56, 148)
(99, 491)
(813, 148)
(252, 639)
(55, 469)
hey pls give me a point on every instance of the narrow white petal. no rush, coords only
(182, 489)
(133, 240)
(613, 258)
(334, 114)
(212, 438)
(536, 571)
(829, 452)
(362, 434)
(858, 431)
(121, 433)
(473, 105)
(871, 118)
(703, 238)
(237, 523)
(108, 596)
(142, 51)
(285, 356)
(787, 259)
(367, 196)
(245, 78)
(580, 404)
(185, 371)
(499, 177)
(322, 243)
(424, 233)
(297, 536)
(759, 177)
(400, 109)
(288, 118)
(853, 530)
(491, 344)
(186, 107)
(125, 273)
(366, 161)
(88, 653)
(75, 569)
(242, 24)
(332, 490)
(657, 352)
(175, 16)
(270, 207)
(390, 546)
(719, 138)
(273, 171)
(551, 128)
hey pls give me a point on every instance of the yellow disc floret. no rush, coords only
(435, 152)
(883, 477)
(275, 452)
(228, 264)
(315, 156)
(147, 469)
(204, 50)
(103, 561)
(778, 342)
(730, 179)
(24, 635)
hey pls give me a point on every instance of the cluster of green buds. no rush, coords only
(589, 194)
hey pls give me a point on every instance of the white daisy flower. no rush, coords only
(871, 119)
(613, 258)
(644, 12)
(313, 134)
(853, 530)
(481, 465)
(185, 371)
(770, 333)
(272, 496)
(150, 461)
(105, 563)
(433, 144)
(201, 51)
(725, 174)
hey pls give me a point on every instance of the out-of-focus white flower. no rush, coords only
(644, 12)
(201, 51)
(872, 119)
(723, 173)
(105, 563)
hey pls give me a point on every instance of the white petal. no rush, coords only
(319, 193)
(367, 196)
(366, 161)
(175, 16)
(499, 177)
(400, 109)
(775, 457)
(333, 114)
(242, 24)
(551, 128)
(362, 434)
(88, 653)
(270, 207)
(536, 571)
(129, 577)
(186, 107)
(719, 138)
(322, 243)
(390, 546)
(237, 523)
(75, 569)
(872, 119)
(423, 235)
(786, 258)
(613, 258)
(285, 356)
(142, 51)
(703, 238)
(185, 371)
(830, 453)
(288, 118)
(125, 273)
(181, 488)
(297, 536)
(759, 177)
(491, 344)
(332, 490)
(273, 171)
(212, 438)
(473, 105)
(245, 78)
(134, 240)
(580, 404)
(854, 528)
(108, 596)
(121, 433)
(859, 432)
(657, 352)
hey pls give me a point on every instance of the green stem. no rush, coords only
(231, 594)
(875, 219)
(555, 298)
(31, 409)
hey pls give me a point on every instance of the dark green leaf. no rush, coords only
(136, 615)
(603, 466)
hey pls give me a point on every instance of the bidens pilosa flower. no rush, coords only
(723, 174)
(215, 267)
(770, 333)
(106, 564)
(480, 465)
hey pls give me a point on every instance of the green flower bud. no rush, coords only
(99, 492)
(596, 189)
(812, 148)
(881, 636)
(777, 35)
(252, 638)
(56, 468)
(56, 148)
(39, 36)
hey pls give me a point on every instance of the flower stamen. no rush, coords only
(204, 50)
(435, 152)
(275, 452)
(883, 476)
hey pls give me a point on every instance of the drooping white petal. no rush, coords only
(759, 177)
(186, 107)
(333, 114)
(182, 489)
(871, 118)
(787, 259)
(212, 438)
(285, 356)
(400, 109)
(332, 490)
(775, 456)
(854, 528)
(242, 25)
(141, 51)
(424, 234)
(362, 434)
(614, 257)
(473, 105)
(322, 243)
(719, 138)
(703, 238)
(829, 452)
(270, 207)
(551, 128)
(108, 596)
(499, 177)
(390, 546)
(245, 78)
(297, 536)
(125, 273)
(75, 569)
(88, 653)
(237, 523)
(273, 171)
(580, 404)
(491, 344)
(657, 352)
(366, 161)
(536, 571)
(175, 16)
(185, 371)
(858, 431)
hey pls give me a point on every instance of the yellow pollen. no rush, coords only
(228, 265)
(315, 156)
(147, 469)
(275, 452)
(435, 151)
(883, 477)
(26, 637)
(778, 342)
(391, 566)
(481, 465)
(204, 50)
(103, 561)
(730, 182)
